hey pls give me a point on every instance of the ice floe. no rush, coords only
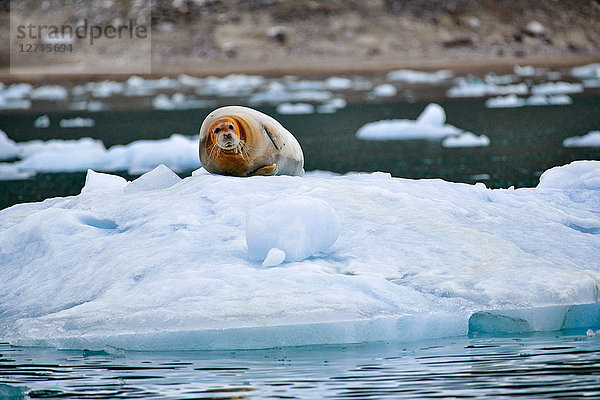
(473, 87)
(557, 88)
(167, 266)
(178, 152)
(77, 122)
(590, 71)
(385, 90)
(512, 100)
(430, 125)
(295, 108)
(410, 76)
(591, 139)
(43, 121)
(466, 139)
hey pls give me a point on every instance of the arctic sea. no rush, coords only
(558, 365)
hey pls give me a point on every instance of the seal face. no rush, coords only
(240, 141)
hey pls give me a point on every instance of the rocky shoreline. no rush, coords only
(278, 37)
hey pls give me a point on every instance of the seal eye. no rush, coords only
(217, 130)
(230, 127)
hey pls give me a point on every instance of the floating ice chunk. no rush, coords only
(591, 71)
(385, 90)
(410, 76)
(159, 178)
(50, 92)
(99, 182)
(178, 152)
(559, 99)
(295, 85)
(16, 91)
(169, 269)
(190, 81)
(499, 79)
(281, 95)
(338, 83)
(557, 88)
(178, 101)
(510, 100)
(591, 139)
(12, 98)
(429, 125)
(331, 106)
(471, 87)
(432, 115)
(230, 86)
(576, 175)
(300, 227)
(10, 171)
(14, 104)
(296, 108)
(466, 139)
(62, 155)
(106, 89)
(43, 121)
(274, 257)
(528, 71)
(77, 122)
(591, 83)
(8, 147)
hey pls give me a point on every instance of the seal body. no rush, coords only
(240, 141)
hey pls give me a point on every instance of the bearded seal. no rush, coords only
(241, 141)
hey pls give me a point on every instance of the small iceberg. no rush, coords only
(591, 139)
(217, 262)
(295, 108)
(430, 125)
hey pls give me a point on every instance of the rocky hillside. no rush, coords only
(238, 35)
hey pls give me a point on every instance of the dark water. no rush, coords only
(524, 141)
(557, 365)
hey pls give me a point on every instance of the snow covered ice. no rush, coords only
(163, 263)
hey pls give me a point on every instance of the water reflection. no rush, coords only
(534, 366)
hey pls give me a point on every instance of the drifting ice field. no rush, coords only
(214, 262)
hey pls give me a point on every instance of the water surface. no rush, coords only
(550, 365)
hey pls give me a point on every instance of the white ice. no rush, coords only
(466, 139)
(431, 125)
(512, 100)
(43, 121)
(77, 122)
(385, 90)
(472, 87)
(298, 226)
(590, 71)
(169, 267)
(49, 93)
(557, 88)
(8, 147)
(295, 108)
(178, 152)
(410, 76)
(591, 139)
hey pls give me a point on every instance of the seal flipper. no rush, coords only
(267, 170)
(274, 136)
